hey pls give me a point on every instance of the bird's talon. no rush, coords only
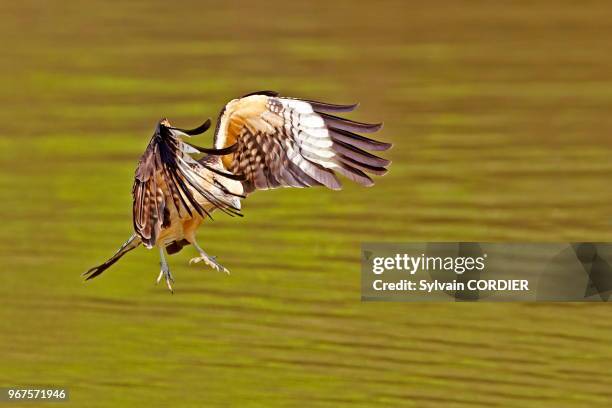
(165, 273)
(211, 261)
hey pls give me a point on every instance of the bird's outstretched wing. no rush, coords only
(169, 181)
(287, 142)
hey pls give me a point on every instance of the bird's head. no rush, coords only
(165, 129)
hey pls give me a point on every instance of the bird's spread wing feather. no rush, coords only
(168, 176)
(286, 142)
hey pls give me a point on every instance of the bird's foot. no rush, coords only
(165, 273)
(210, 261)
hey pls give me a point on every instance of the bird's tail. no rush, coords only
(130, 244)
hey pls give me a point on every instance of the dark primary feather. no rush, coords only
(197, 131)
(330, 107)
(358, 140)
(266, 93)
(349, 125)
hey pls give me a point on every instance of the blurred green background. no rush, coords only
(500, 116)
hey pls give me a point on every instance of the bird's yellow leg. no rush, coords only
(207, 259)
(165, 271)
(189, 230)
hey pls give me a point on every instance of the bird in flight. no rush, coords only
(262, 141)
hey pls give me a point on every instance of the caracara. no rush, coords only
(262, 141)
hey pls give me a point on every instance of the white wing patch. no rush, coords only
(295, 105)
(308, 129)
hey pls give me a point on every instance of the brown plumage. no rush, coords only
(169, 184)
(173, 194)
(261, 141)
